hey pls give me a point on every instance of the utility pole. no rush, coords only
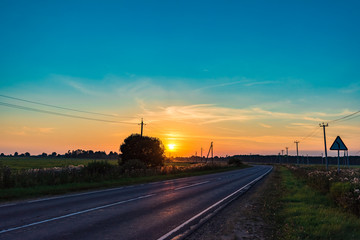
(142, 126)
(323, 125)
(297, 152)
(212, 153)
(287, 155)
(201, 154)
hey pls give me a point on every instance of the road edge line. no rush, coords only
(177, 233)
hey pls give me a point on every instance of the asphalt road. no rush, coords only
(147, 211)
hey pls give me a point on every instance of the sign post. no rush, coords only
(338, 145)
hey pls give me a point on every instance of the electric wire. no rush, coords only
(59, 114)
(345, 118)
(310, 135)
(63, 108)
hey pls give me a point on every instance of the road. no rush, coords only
(158, 210)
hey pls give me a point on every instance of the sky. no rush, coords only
(250, 76)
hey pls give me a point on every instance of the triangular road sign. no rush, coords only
(338, 144)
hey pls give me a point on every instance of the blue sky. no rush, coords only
(289, 57)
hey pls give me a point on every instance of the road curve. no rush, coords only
(158, 210)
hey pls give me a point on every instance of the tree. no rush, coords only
(148, 150)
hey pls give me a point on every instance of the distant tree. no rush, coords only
(16, 154)
(27, 154)
(148, 150)
(53, 154)
(2, 154)
(44, 154)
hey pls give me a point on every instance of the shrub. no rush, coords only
(6, 178)
(133, 164)
(342, 195)
(235, 161)
(98, 168)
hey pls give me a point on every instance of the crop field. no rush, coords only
(20, 163)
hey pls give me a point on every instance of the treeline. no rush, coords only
(283, 159)
(79, 153)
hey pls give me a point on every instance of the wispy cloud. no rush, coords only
(24, 131)
(265, 125)
(221, 85)
(354, 87)
(78, 84)
(211, 113)
(260, 83)
(245, 82)
(201, 113)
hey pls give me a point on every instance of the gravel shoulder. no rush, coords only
(245, 218)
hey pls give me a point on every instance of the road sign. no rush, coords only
(338, 144)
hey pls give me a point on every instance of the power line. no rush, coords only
(59, 114)
(347, 117)
(63, 108)
(311, 134)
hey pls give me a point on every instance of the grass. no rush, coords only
(307, 214)
(20, 163)
(22, 193)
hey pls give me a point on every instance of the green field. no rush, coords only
(36, 162)
(20, 163)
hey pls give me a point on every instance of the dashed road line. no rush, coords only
(192, 185)
(75, 213)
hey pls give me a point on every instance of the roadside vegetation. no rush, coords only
(22, 163)
(22, 177)
(308, 203)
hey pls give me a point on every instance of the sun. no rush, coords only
(171, 147)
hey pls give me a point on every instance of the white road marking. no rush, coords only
(192, 185)
(212, 206)
(75, 213)
(8, 205)
(74, 195)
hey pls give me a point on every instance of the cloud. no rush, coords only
(201, 113)
(354, 87)
(221, 85)
(77, 84)
(211, 113)
(265, 125)
(260, 83)
(24, 131)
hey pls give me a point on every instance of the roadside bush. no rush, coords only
(134, 164)
(343, 196)
(99, 170)
(339, 189)
(343, 188)
(6, 178)
(235, 161)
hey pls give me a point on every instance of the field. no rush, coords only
(20, 163)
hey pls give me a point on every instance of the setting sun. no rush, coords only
(171, 147)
